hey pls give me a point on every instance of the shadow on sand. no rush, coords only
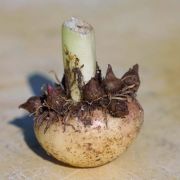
(25, 123)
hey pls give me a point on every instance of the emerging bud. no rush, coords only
(92, 90)
(111, 82)
(32, 104)
(130, 80)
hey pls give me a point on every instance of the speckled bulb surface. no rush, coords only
(92, 145)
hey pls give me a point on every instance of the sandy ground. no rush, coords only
(127, 32)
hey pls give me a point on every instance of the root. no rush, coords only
(56, 77)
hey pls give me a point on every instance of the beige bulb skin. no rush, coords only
(92, 145)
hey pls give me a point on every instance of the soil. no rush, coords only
(110, 94)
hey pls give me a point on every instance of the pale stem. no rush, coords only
(78, 42)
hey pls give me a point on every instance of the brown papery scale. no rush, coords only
(118, 108)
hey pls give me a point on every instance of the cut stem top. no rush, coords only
(78, 42)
